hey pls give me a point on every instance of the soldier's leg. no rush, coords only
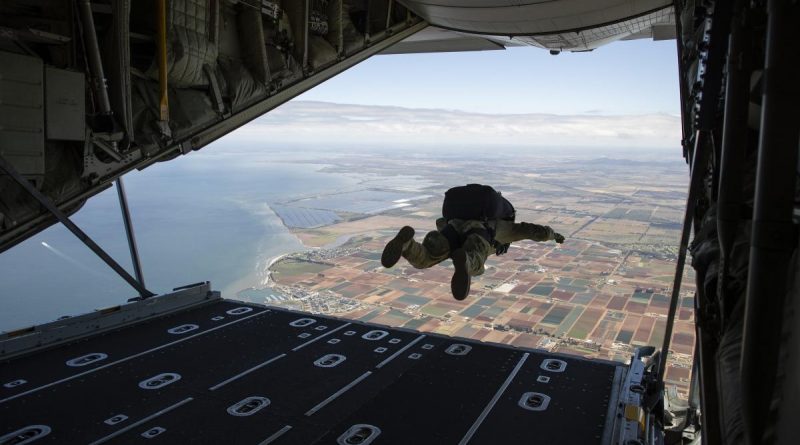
(395, 247)
(477, 249)
(433, 250)
(468, 262)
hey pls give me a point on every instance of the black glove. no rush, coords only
(559, 238)
(501, 248)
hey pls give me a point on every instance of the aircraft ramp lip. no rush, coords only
(68, 329)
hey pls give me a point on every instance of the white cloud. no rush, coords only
(341, 124)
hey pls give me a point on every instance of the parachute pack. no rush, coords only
(476, 202)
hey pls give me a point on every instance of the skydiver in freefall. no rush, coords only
(476, 222)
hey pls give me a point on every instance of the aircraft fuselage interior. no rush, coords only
(93, 89)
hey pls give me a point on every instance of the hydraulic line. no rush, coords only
(93, 56)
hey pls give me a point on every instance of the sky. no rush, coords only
(622, 95)
(371, 127)
(623, 78)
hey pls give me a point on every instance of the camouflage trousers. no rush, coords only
(435, 249)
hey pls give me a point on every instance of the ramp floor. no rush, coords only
(234, 373)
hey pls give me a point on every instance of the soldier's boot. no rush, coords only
(394, 248)
(460, 282)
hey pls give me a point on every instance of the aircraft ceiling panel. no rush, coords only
(507, 17)
(658, 25)
(448, 45)
(433, 39)
(654, 24)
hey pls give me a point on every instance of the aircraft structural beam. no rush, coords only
(64, 219)
(700, 158)
(126, 219)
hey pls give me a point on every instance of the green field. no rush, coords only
(296, 267)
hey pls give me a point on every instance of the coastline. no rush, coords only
(267, 270)
(261, 277)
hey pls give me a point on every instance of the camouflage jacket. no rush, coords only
(505, 231)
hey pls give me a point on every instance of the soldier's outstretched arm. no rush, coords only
(535, 232)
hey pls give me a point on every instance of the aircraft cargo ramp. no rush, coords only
(190, 367)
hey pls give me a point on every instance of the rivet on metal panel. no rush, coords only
(329, 360)
(374, 335)
(302, 322)
(553, 365)
(87, 359)
(248, 406)
(15, 383)
(182, 329)
(458, 349)
(359, 434)
(153, 432)
(116, 419)
(534, 401)
(239, 310)
(160, 380)
(28, 434)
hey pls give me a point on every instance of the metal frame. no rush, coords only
(697, 175)
(677, 7)
(64, 219)
(704, 143)
(126, 219)
(734, 146)
(774, 233)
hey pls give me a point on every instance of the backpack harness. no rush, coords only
(475, 202)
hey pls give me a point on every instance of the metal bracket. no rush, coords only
(216, 93)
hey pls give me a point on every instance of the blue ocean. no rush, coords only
(202, 217)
